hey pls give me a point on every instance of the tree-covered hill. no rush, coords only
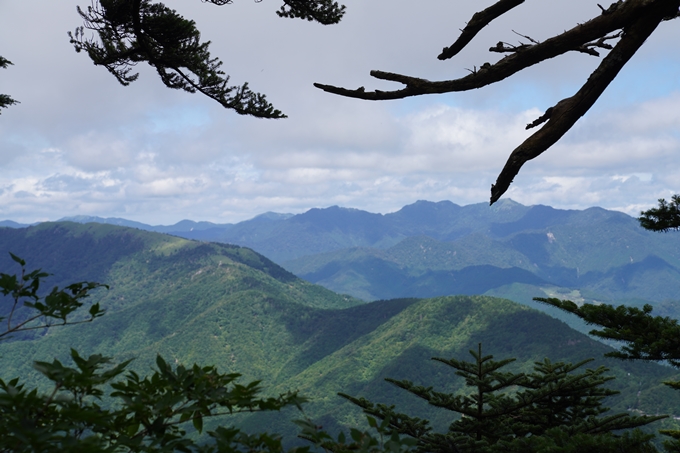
(226, 305)
(401, 346)
(163, 290)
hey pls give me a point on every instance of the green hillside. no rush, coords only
(228, 306)
(449, 327)
(164, 291)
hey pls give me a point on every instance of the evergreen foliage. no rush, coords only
(665, 217)
(551, 409)
(5, 100)
(643, 336)
(133, 31)
(325, 12)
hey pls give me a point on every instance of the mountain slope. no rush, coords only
(161, 287)
(229, 306)
(603, 253)
(448, 327)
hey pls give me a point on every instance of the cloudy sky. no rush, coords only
(80, 143)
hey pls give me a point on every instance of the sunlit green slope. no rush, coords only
(228, 306)
(401, 346)
(188, 300)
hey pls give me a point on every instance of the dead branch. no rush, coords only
(565, 114)
(477, 23)
(631, 20)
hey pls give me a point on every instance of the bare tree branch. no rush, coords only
(564, 115)
(631, 20)
(529, 55)
(477, 23)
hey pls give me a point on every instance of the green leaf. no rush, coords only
(17, 259)
(372, 422)
(198, 421)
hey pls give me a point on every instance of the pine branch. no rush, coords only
(646, 337)
(663, 218)
(5, 99)
(136, 31)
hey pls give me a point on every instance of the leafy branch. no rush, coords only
(50, 310)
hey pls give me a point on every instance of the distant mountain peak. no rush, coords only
(269, 215)
(507, 203)
(433, 204)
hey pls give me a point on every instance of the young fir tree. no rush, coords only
(551, 409)
(644, 336)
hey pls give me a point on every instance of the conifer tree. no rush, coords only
(551, 409)
(644, 336)
(663, 218)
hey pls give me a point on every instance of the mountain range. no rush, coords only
(227, 305)
(429, 249)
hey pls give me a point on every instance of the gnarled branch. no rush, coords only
(566, 112)
(477, 23)
(636, 18)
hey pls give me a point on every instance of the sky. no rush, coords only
(79, 143)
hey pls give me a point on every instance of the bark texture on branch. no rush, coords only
(566, 112)
(477, 23)
(636, 19)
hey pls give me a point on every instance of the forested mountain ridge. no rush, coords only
(217, 304)
(430, 249)
(139, 265)
(605, 255)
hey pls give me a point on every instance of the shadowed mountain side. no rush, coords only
(371, 278)
(74, 252)
(447, 327)
(641, 279)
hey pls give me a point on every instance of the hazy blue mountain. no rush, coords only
(12, 224)
(604, 254)
(429, 249)
(183, 226)
(335, 228)
(283, 237)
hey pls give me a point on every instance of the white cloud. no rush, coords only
(79, 143)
